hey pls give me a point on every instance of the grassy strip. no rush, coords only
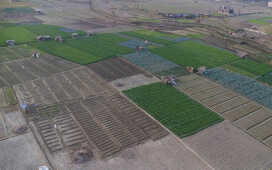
(185, 20)
(261, 21)
(267, 78)
(153, 36)
(10, 96)
(238, 70)
(52, 30)
(194, 53)
(148, 20)
(252, 66)
(173, 109)
(18, 10)
(195, 36)
(177, 71)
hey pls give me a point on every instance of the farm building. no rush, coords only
(89, 34)
(10, 42)
(74, 35)
(58, 39)
(226, 11)
(43, 37)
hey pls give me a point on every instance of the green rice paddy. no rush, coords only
(18, 10)
(173, 109)
(86, 50)
(194, 53)
(17, 33)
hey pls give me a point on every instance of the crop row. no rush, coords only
(173, 109)
(150, 62)
(244, 85)
(196, 54)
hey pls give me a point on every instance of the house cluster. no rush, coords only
(226, 11)
(179, 15)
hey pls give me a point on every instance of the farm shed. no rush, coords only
(10, 42)
(43, 37)
(74, 35)
(58, 39)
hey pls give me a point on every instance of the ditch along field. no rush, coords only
(173, 109)
(244, 113)
(196, 54)
(86, 50)
(23, 33)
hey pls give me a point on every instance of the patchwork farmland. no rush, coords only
(19, 71)
(244, 113)
(105, 94)
(86, 50)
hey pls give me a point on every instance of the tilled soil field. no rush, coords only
(248, 115)
(108, 123)
(20, 71)
(65, 86)
(115, 68)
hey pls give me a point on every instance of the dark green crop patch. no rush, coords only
(173, 109)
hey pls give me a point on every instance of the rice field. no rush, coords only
(86, 50)
(196, 54)
(17, 33)
(24, 33)
(173, 109)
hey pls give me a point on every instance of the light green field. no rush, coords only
(185, 20)
(52, 30)
(18, 10)
(173, 109)
(196, 54)
(195, 36)
(153, 36)
(238, 70)
(148, 20)
(261, 21)
(17, 33)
